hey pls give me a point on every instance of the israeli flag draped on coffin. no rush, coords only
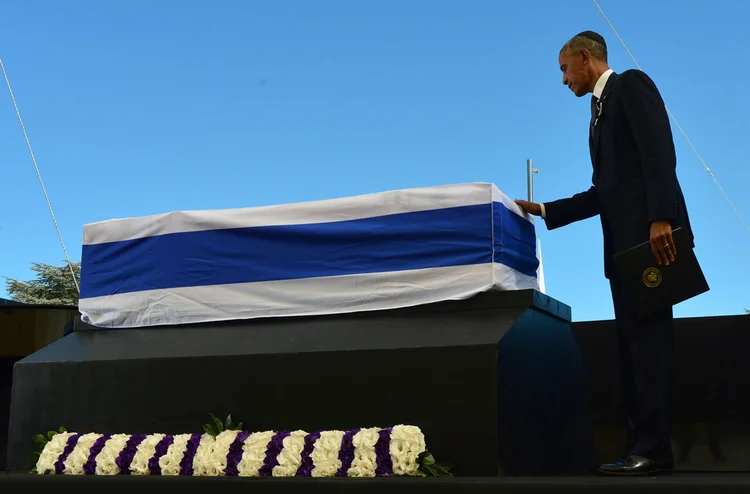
(371, 252)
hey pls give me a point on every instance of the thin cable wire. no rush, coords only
(676, 122)
(41, 182)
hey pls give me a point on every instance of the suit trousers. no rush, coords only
(646, 354)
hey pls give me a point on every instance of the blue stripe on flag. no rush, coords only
(423, 239)
(515, 241)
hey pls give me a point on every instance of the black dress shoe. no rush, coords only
(633, 465)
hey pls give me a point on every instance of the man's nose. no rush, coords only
(565, 81)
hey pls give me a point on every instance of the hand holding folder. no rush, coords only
(662, 242)
(651, 286)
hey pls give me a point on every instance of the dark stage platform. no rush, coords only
(497, 383)
(695, 484)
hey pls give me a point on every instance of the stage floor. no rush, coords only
(693, 483)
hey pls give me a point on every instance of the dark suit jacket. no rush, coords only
(634, 179)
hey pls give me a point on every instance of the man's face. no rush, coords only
(574, 67)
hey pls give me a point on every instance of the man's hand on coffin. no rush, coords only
(529, 207)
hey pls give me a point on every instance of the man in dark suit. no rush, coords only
(638, 198)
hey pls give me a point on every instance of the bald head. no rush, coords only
(583, 59)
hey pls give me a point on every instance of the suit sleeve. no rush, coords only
(566, 211)
(648, 120)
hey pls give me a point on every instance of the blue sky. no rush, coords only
(135, 108)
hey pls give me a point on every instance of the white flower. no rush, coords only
(290, 456)
(365, 458)
(143, 454)
(203, 460)
(407, 443)
(51, 452)
(325, 455)
(80, 454)
(253, 453)
(170, 462)
(106, 461)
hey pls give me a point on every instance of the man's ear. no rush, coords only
(585, 56)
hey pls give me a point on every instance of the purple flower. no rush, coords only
(89, 468)
(234, 455)
(272, 452)
(69, 447)
(346, 453)
(306, 463)
(159, 451)
(186, 464)
(383, 454)
(127, 454)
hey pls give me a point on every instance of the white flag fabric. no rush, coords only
(372, 252)
(540, 271)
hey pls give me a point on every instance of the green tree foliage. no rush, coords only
(53, 285)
